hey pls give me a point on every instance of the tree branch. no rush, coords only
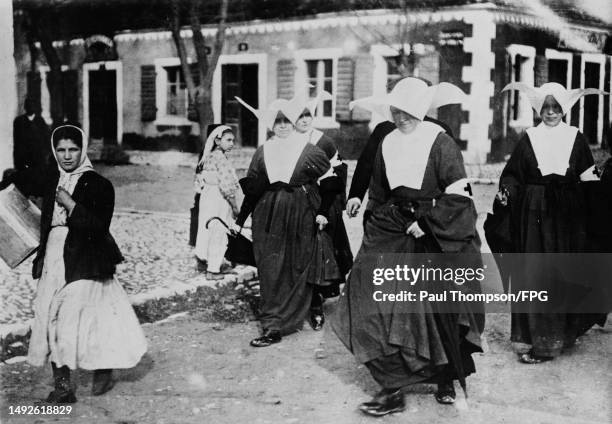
(199, 43)
(175, 29)
(219, 39)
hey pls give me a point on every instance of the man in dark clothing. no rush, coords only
(31, 144)
(365, 164)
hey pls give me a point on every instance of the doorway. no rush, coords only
(103, 105)
(590, 127)
(240, 80)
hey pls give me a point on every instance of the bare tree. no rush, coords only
(38, 27)
(200, 95)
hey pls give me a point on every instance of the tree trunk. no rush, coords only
(206, 63)
(54, 76)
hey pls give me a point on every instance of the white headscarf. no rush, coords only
(413, 96)
(68, 180)
(566, 98)
(210, 141)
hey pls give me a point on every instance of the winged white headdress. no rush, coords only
(566, 98)
(413, 96)
(289, 108)
(312, 104)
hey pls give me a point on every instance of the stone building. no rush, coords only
(129, 84)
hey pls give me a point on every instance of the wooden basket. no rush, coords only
(19, 227)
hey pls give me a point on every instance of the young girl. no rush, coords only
(82, 315)
(541, 186)
(217, 184)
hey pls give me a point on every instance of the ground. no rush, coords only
(199, 370)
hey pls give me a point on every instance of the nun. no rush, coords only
(82, 315)
(332, 187)
(421, 206)
(542, 187)
(282, 195)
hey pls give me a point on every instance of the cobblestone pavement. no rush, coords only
(154, 244)
(156, 255)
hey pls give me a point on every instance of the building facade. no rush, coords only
(131, 83)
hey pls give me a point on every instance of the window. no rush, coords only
(320, 77)
(522, 61)
(177, 98)
(171, 94)
(393, 71)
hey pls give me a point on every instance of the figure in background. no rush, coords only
(541, 186)
(419, 210)
(217, 184)
(30, 142)
(332, 187)
(281, 193)
(82, 315)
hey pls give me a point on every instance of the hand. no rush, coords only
(234, 228)
(352, 206)
(502, 197)
(7, 179)
(63, 198)
(8, 173)
(415, 231)
(322, 221)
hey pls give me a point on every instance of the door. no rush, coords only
(240, 80)
(591, 103)
(103, 105)
(557, 71)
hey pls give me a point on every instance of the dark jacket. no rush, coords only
(31, 147)
(90, 252)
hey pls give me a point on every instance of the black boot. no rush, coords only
(63, 392)
(102, 382)
(317, 319)
(387, 401)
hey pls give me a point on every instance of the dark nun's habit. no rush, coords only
(281, 193)
(399, 342)
(332, 190)
(548, 214)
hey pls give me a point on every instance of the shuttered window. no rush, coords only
(148, 108)
(285, 74)
(346, 76)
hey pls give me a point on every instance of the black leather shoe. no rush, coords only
(385, 402)
(317, 319)
(102, 382)
(446, 393)
(268, 338)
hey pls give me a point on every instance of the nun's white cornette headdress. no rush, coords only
(566, 98)
(312, 104)
(413, 96)
(289, 108)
